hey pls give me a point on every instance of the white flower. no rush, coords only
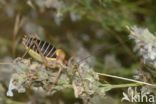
(10, 88)
(145, 44)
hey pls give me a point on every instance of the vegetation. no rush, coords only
(101, 39)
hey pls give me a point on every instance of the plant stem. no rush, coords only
(126, 85)
(127, 79)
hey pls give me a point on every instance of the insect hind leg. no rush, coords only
(45, 61)
(41, 54)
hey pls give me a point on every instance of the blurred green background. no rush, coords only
(95, 28)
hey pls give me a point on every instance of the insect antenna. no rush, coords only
(85, 58)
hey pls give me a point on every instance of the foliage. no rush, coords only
(83, 28)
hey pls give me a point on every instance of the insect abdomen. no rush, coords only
(39, 46)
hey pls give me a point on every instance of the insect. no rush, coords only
(36, 47)
(44, 52)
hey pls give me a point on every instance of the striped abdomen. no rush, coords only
(40, 46)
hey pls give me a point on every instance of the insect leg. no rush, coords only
(58, 75)
(25, 43)
(36, 36)
(25, 53)
(46, 62)
(42, 56)
(76, 69)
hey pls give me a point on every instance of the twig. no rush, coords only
(127, 79)
(5, 63)
(110, 86)
(15, 31)
(126, 85)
